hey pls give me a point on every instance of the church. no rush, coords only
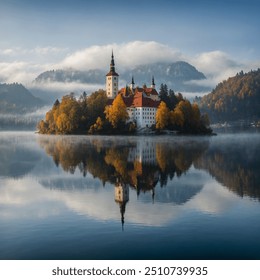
(141, 102)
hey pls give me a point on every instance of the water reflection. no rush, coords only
(16, 158)
(139, 164)
(142, 163)
(80, 190)
(235, 164)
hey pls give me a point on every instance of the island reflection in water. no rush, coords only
(175, 197)
(144, 163)
(139, 164)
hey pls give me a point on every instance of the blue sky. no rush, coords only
(47, 32)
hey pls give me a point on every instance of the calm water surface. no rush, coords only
(83, 197)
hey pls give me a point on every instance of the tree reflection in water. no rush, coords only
(144, 163)
(141, 163)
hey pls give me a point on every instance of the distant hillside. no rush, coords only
(237, 98)
(15, 98)
(176, 75)
(70, 75)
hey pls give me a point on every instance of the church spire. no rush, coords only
(132, 85)
(153, 84)
(122, 197)
(112, 71)
(112, 80)
(122, 212)
(112, 64)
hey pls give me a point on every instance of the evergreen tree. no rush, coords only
(163, 93)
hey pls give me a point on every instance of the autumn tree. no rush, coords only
(237, 98)
(69, 115)
(162, 116)
(177, 118)
(117, 113)
(42, 127)
(49, 125)
(97, 126)
(96, 104)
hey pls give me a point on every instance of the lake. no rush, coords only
(101, 197)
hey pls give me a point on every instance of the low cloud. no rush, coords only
(66, 87)
(127, 55)
(24, 65)
(218, 66)
(20, 72)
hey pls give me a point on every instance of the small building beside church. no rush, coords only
(141, 102)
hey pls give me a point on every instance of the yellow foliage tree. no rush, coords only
(161, 156)
(162, 116)
(67, 116)
(177, 117)
(63, 123)
(117, 112)
(185, 107)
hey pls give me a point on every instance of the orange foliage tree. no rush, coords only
(117, 113)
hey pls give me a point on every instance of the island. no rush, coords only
(128, 110)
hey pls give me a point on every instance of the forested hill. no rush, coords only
(237, 98)
(15, 98)
(178, 75)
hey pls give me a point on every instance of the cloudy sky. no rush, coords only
(219, 38)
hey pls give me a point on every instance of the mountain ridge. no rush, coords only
(177, 75)
(15, 98)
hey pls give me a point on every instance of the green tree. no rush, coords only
(172, 100)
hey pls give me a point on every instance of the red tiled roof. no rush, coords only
(128, 100)
(148, 91)
(151, 91)
(125, 91)
(140, 98)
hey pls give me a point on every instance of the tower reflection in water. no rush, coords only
(133, 163)
(143, 163)
(143, 157)
(122, 197)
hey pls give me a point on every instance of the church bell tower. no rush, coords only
(112, 80)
